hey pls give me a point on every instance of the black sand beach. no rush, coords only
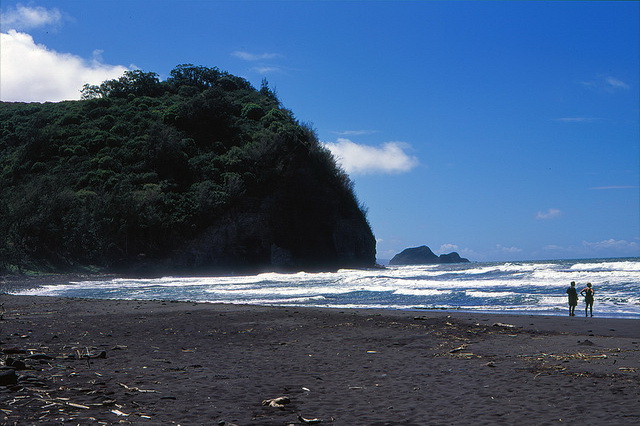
(151, 362)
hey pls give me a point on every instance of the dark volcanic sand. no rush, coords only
(193, 364)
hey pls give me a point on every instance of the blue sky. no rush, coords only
(500, 130)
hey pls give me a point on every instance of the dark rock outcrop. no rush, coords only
(423, 255)
(8, 377)
(452, 257)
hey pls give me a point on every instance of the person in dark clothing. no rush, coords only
(573, 299)
(588, 293)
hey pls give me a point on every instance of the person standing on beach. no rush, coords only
(573, 299)
(588, 293)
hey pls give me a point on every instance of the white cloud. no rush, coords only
(576, 119)
(553, 247)
(447, 248)
(265, 69)
(606, 84)
(363, 159)
(31, 72)
(615, 83)
(26, 18)
(611, 245)
(355, 132)
(604, 248)
(262, 67)
(549, 214)
(615, 187)
(504, 249)
(254, 57)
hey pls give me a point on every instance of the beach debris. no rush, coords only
(74, 405)
(136, 389)
(502, 324)
(490, 364)
(102, 355)
(564, 357)
(309, 421)
(40, 356)
(278, 402)
(458, 349)
(119, 413)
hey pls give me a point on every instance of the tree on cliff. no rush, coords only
(199, 172)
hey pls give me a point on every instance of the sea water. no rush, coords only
(508, 287)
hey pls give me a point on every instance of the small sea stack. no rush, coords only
(424, 256)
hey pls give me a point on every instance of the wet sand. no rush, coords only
(153, 362)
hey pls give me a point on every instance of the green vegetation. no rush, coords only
(198, 172)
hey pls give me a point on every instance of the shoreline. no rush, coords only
(14, 283)
(162, 362)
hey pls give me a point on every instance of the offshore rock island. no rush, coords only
(200, 173)
(423, 256)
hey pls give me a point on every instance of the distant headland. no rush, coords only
(423, 255)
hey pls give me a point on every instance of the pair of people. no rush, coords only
(587, 292)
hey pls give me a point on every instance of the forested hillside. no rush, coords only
(198, 173)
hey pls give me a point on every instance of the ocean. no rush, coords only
(536, 287)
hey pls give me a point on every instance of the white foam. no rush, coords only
(522, 286)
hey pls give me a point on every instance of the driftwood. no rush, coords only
(277, 402)
(309, 421)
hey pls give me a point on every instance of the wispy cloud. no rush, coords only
(605, 248)
(255, 56)
(27, 18)
(606, 84)
(265, 69)
(599, 188)
(462, 251)
(615, 83)
(502, 249)
(448, 247)
(576, 119)
(31, 72)
(262, 60)
(549, 214)
(355, 132)
(612, 244)
(390, 158)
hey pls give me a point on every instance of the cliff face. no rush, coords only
(309, 233)
(423, 255)
(197, 173)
